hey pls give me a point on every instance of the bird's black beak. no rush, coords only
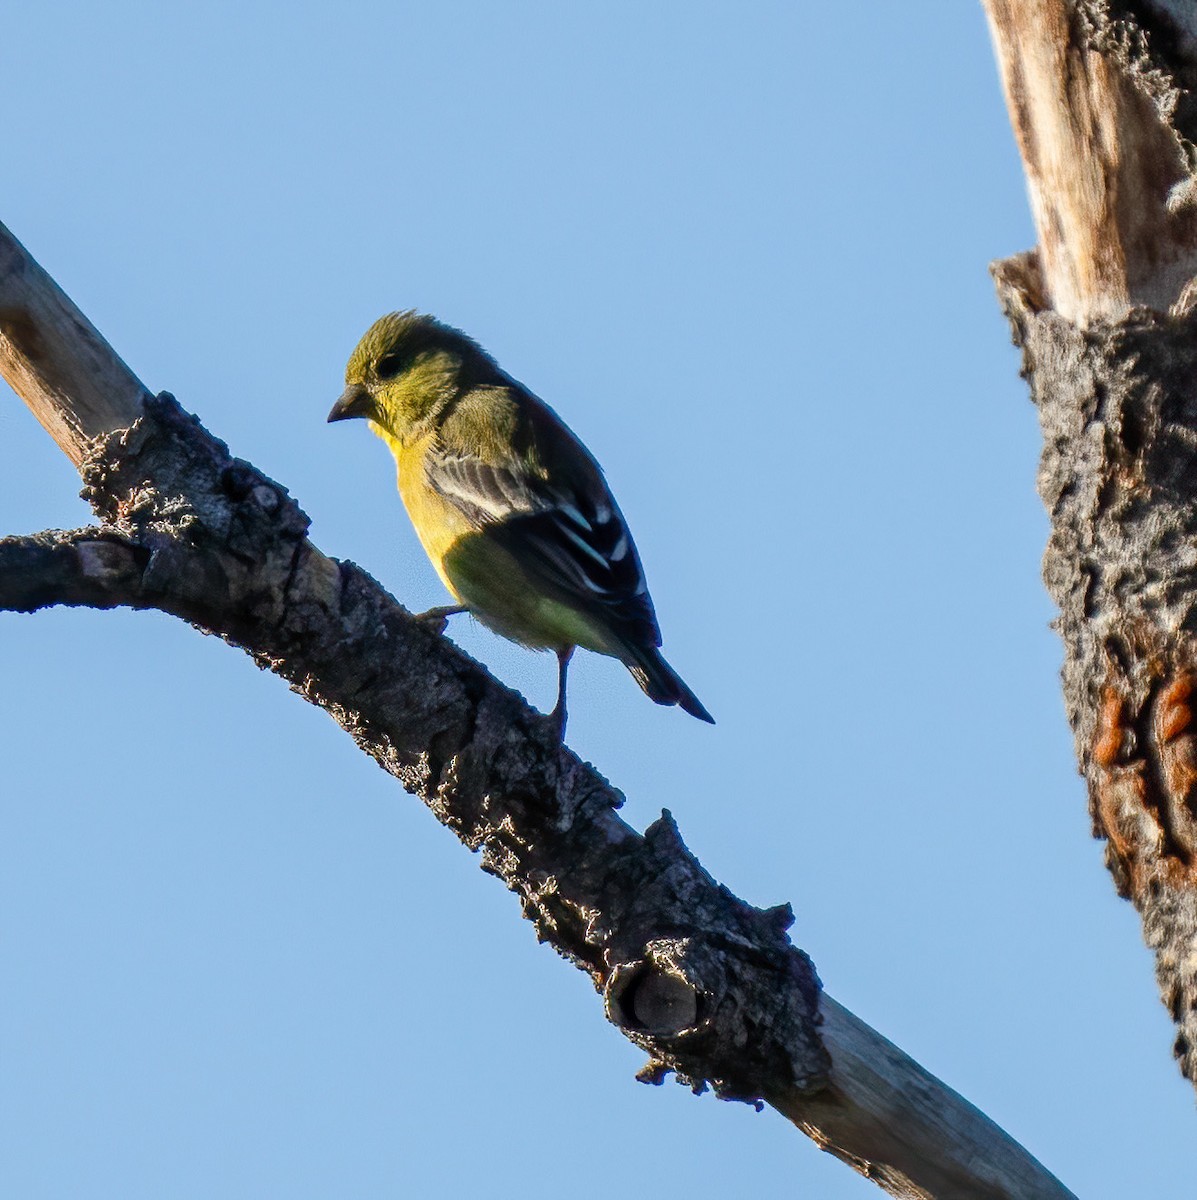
(355, 401)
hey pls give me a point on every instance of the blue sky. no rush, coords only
(742, 249)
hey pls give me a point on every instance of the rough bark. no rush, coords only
(710, 987)
(1118, 408)
(1101, 98)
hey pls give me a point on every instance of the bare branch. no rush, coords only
(71, 379)
(711, 988)
(93, 567)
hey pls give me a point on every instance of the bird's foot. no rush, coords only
(437, 618)
(557, 720)
(557, 716)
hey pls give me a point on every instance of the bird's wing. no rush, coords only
(548, 502)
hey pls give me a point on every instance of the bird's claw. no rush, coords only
(557, 720)
(437, 618)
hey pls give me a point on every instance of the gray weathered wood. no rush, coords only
(711, 988)
(923, 1137)
(69, 376)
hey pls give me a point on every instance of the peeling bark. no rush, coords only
(1098, 97)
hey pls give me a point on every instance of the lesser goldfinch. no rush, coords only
(511, 508)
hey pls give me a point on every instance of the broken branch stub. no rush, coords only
(69, 376)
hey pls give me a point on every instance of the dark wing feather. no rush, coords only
(589, 557)
(485, 493)
(574, 542)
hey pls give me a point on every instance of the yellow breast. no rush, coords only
(437, 523)
(484, 575)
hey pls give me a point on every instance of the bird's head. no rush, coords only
(404, 371)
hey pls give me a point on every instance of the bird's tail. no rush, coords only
(662, 683)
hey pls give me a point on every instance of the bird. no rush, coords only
(511, 508)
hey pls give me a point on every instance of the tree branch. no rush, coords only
(94, 567)
(69, 376)
(710, 987)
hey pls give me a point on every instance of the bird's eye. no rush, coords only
(389, 365)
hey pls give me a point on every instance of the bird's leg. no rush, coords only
(558, 713)
(437, 618)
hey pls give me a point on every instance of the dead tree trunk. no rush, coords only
(1101, 96)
